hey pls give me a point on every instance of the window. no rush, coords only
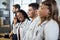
(24, 3)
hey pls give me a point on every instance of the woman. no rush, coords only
(48, 29)
(24, 23)
(13, 33)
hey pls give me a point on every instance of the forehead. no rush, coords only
(43, 6)
(14, 7)
(19, 13)
(30, 7)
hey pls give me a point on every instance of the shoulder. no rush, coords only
(52, 25)
(28, 21)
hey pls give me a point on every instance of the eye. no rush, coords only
(29, 10)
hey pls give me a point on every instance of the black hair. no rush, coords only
(17, 6)
(24, 14)
(34, 5)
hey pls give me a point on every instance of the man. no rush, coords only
(16, 8)
(33, 8)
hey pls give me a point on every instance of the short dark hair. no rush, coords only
(23, 13)
(34, 5)
(16, 6)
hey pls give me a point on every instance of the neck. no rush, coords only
(22, 21)
(45, 18)
(33, 18)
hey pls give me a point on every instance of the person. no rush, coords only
(32, 13)
(16, 7)
(14, 31)
(48, 29)
(24, 23)
(12, 34)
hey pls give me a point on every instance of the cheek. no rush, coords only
(43, 13)
(30, 13)
(46, 12)
(13, 10)
(22, 18)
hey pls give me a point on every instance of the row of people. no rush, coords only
(41, 23)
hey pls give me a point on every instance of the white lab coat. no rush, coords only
(23, 28)
(15, 28)
(29, 33)
(48, 30)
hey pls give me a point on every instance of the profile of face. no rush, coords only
(14, 10)
(20, 16)
(31, 12)
(43, 10)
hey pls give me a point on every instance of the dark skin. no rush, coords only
(20, 17)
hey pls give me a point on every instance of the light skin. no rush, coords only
(32, 13)
(15, 21)
(14, 9)
(43, 11)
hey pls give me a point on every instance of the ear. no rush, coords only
(36, 12)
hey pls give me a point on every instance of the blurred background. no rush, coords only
(6, 14)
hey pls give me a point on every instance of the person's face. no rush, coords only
(20, 16)
(31, 12)
(43, 10)
(14, 9)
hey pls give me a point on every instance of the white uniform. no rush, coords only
(48, 30)
(29, 33)
(23, 28)
(15, 28)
